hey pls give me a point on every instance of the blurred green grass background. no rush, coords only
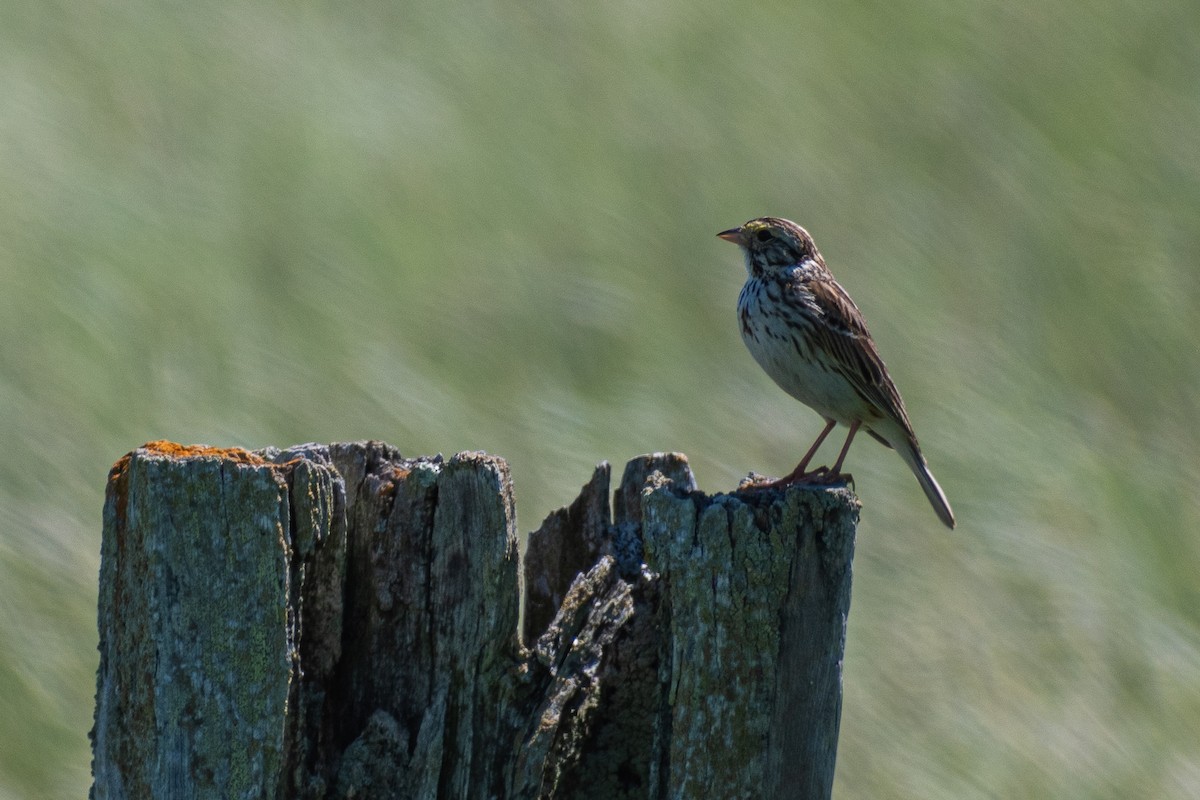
(491, 226)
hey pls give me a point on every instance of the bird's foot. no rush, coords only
(821, 476)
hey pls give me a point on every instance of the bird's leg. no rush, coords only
(799, 473)
(836, 472)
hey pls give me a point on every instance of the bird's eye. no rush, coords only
(763, 235)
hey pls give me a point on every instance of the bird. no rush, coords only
(808, 335)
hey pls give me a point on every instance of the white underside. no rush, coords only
(822, 390)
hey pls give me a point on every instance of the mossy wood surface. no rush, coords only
(340, 621)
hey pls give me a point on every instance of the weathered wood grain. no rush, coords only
(337, 621)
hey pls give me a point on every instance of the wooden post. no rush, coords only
(342, 622)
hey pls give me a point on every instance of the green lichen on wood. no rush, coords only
(727, 562)
(205, 555)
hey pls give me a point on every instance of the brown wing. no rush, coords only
(848, 344)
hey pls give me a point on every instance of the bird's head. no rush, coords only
(771, 243)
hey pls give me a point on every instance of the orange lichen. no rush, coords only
(175, 450)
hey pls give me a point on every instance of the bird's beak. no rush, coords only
(732, 235)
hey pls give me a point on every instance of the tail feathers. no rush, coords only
(937, 498)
